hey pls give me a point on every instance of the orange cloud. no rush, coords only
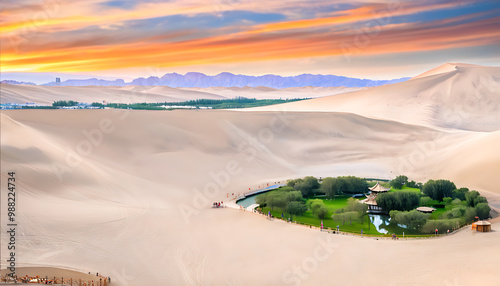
(285, 40)
(224, 49)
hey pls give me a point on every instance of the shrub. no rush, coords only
(425, 201)
(347, 216)
(317, 207)
(413, 219)
(441, 224)
(469, 215)
(322, 212)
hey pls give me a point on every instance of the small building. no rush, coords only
(378, 188)
(426, 210)
(482, 226)
(371, 199)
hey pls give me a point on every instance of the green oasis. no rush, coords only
(343, 202)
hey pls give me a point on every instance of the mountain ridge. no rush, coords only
(226, 79)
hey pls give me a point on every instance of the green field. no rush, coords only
(354, 226)
(406, 189)
(328, 222)
(335, 204)
(353, 217)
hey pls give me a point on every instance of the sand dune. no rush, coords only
(137, 94)
(136, 207)
(271, 93)
(466, 97)
(48, 94)
(128, 193)
(445, 68)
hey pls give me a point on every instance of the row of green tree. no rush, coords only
(238, 102)
(354, 211)
(401, 200)
(286, 198)
(462, 205)
(400, 181)
(64, 103)
(330, 187)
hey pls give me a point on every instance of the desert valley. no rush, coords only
(240, 142)
(127, 193)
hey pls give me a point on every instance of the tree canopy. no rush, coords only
(61, 103)
(399, 182)
(413, 219)
(307, 186)
(330, 187)
(279, 198)
(438, 189)
(401, 201)
(296, 208)
(353, 185)
(318, 208)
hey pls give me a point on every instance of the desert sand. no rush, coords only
(457, 96)
(59, 273)
(128, 193)
(46, 95)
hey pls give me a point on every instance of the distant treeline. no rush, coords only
(238, 102)
(64, 103)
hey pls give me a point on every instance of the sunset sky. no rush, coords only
(368, 39)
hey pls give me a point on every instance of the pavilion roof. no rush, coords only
(426, 209)
(379, 189)
(370, 200)
(482, 222)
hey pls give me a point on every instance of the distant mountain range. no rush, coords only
(8, 81)
(194, 79)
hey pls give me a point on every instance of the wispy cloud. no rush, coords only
(125, 34)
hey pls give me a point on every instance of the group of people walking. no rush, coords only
(218, 205)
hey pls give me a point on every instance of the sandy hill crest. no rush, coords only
(456, 96)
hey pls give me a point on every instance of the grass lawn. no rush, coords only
(328, 222)
(406, 189)
(354, 226)
(437, 213)
(335, 204)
